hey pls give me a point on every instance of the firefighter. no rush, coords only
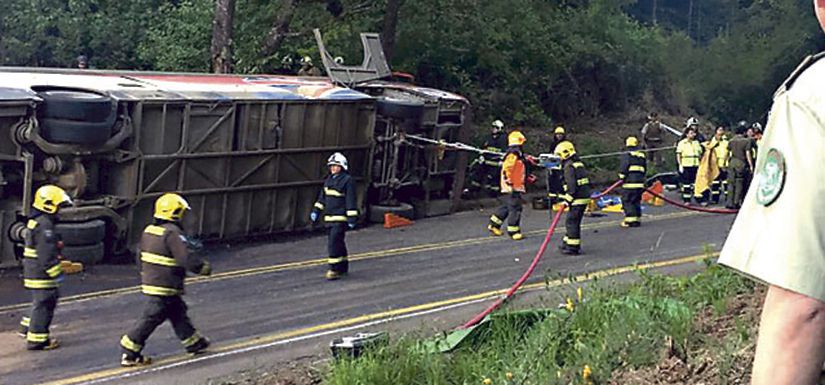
(42, 273)
(576, 195)
(339, 202)
(489, 165)
(307, 68)
(554, 174)
(719, 145)
(512, 183)
(165, 260)
(688, 155)
(740, 167)
(652, 138)
(632, 173)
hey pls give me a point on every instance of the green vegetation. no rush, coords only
(613, 327)
(530, 62)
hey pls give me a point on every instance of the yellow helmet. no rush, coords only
(565, 150)
(49, 198)
(559, 130)
(170, 207)
(631, 141)
(516, 138)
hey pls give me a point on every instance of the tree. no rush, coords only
(390, 25)
(222, 30)
(280, 28)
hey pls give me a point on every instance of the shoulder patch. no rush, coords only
(771, 178)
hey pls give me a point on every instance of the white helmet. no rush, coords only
(306, 60)
(338, 60)
(692, 121)
(498, 124)
(339, 159)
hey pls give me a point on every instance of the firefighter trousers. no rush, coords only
(573, 226)
(554, 184)
(688, 180)
(337, 247)
(157, 310)
(510, 210)
(35, 327)
(719, 186)
(738, 176)
(632, 206)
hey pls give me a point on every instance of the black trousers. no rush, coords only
(632, 206)
(573, 226)
(36, 326)
(738, 180)
(157, 310)
(337, 247)
(688, 180)
(719, 186)
(510, 210)
(554, 184)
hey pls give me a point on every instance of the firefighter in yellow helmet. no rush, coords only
(512, 183)
(42, 273)
(554, 174)
(165, 259)
(632, 172)
(576, 195)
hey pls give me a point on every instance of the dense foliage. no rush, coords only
(532, 61)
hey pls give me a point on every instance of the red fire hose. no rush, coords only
(533, 265)
(546, 243)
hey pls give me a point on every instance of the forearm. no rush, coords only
(791, 346)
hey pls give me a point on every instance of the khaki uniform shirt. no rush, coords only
(780, 239)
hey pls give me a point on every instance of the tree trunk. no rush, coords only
(390, 26)
(280, 28)
(690, 18)
(655, 10)
(222, 29)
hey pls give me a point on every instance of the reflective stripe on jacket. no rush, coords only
(41, 268)
(338, 199)
(576, 183)
(633, 169)
(513, 172)
(165, 259)
(689, 152)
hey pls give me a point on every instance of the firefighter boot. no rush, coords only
(517, 236)
(198, 347)
(50, 344)
(496, 231)
(24, 327)
(333, 275)
(135, 360)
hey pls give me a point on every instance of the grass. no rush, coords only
(614, 326)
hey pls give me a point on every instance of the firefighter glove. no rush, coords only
(314, 216)
(351, 225)
(206, 269)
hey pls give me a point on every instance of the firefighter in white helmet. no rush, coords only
(338, 201)
(42, 272)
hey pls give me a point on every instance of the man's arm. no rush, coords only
(791, 346)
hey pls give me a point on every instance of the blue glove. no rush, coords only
(351, 225)
(60, 278)
(313, 216)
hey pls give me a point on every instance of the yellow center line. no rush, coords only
(323, 261)
(266, 339)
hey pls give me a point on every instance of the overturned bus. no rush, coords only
(248, 152)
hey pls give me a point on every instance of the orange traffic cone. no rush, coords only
(392, 221)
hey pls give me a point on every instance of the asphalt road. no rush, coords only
(270, 301)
